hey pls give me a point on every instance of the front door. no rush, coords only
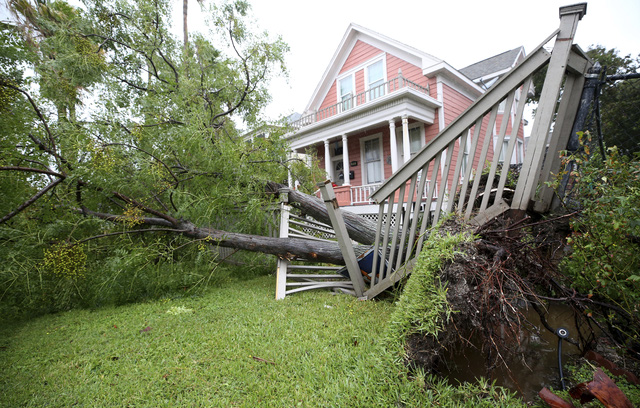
(337, 175)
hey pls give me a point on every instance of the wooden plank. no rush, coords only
(407, 219)
(282, 264)
(427, 217)
(419, 200)
(376, 244)
(462, 144)
(488, 139)
(567, 111)
(495, 210)
(546, 109)
(470, 167)
(506, 116)
(314, 276)
(513, 139)
(443, 181)
(346, 247)
(396, 228)
(315, 267)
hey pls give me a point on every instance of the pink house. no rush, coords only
(380, 101)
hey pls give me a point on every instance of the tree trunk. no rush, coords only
(359, 228)
(286, 248)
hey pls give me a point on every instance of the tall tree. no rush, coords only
(155, 156)
(619, 98)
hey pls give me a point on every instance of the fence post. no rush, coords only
(283, 264)
(529, 175)
(346, 247)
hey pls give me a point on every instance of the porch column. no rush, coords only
(406, 146)
(345, 161)
(327, 158)
(394, 145)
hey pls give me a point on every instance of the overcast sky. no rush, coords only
(460, 32)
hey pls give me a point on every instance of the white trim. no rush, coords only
(399, 137)
(365, 64)
(444, 69)
(440, 97)
(354, 33)
(353, 86)
(363, 165)
(456, 87)
(366, 72)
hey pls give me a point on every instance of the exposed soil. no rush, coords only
(493, 281)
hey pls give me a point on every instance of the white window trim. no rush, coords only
(366, 71)
(352, 73)
(400, 141)
(363, 163)
(353, 85)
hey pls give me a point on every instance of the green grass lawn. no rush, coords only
(234, 346)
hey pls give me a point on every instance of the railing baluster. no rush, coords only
(407, 218)
(470, 161)
(377, 253)
(396, 229)
(506, 116)
(512, 139)
(443, 181)
(419, 211)
(488, 139)
(455, 183)
(429, 199)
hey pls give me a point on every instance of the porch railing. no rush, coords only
(369, 95)
(403, 197)
(362, 194)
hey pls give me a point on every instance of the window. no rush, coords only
(503, 150)
(337, 148)
(337, 173)
(375, 79)
(519, 151)
(345, 92)
(372, 159)
(416, 140)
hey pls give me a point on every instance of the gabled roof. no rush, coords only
(493, 66)
(389, 45)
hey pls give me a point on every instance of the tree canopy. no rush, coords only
(120, 144)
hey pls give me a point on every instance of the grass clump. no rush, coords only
(423, 307)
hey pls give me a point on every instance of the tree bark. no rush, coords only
(359, 228)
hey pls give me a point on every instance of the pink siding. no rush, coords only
(363, 52)
(409, 71)
(360, 81)
(360, 53)
(331, 98)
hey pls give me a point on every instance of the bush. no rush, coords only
(605, 235)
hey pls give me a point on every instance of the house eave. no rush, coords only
(446, 70)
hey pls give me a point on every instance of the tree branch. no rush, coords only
(30, 201)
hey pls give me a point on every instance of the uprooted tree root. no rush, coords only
(511, 266)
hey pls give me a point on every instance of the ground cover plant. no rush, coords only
(232, 346)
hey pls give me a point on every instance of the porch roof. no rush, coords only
(405, 101)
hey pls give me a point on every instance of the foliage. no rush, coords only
(605, 260)
(122, 143)
(619, 99)
(233, 346)
(423, 307)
